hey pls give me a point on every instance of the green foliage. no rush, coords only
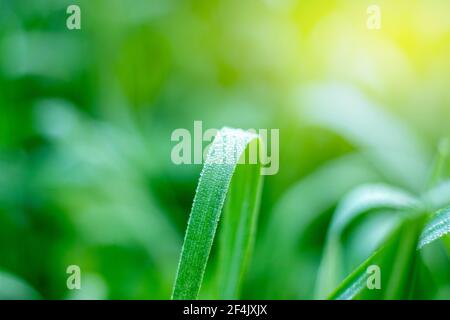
(362, 200)
(13, 288)
(86, 177)
(221, 175)
(438, 227)
(396, 260)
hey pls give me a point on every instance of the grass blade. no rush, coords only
(438, 227)
(361, 200)
(228, 148)
(302, 205)
(396, 261)
(238, 229)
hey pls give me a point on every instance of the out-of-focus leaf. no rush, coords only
(439, 196)
(12, 288)
(361, 200)
(369, 197)
(93, 288)
(439, 163)
(220, 170)
(388, 141)
(395, 261)
(53, 55)
(299, 207)
(104, 182)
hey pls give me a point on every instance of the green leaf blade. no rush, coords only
(396, 262)
(221, 163)
(361, 200)
(438, 227)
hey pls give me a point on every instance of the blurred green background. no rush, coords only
(86, 118)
